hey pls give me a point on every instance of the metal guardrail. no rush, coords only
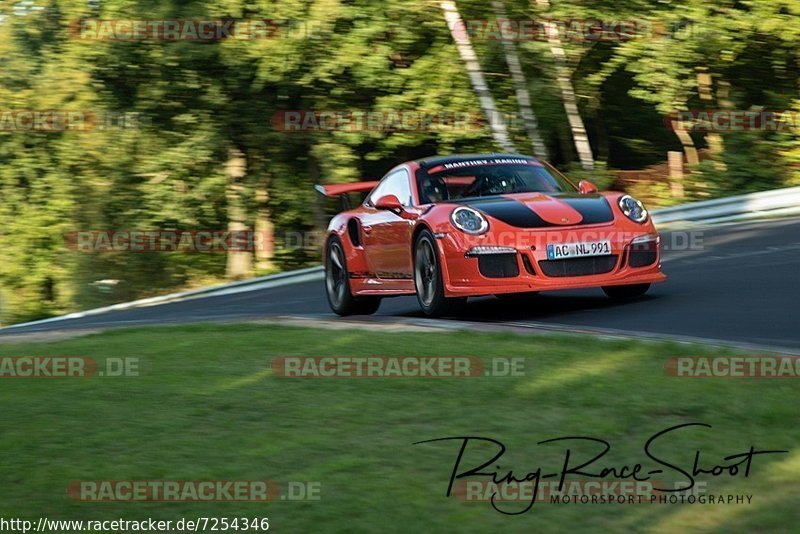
(777, 202)
(262, 282)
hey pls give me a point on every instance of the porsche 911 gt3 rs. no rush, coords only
(448, 228)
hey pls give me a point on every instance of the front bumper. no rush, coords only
(522, 264)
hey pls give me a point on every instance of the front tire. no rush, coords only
(337, 284)
(626, 292)
(428, 278)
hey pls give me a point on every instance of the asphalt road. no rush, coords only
(741, 285)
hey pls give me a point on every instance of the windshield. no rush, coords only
(482, 178)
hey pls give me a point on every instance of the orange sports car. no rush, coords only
(452, 227)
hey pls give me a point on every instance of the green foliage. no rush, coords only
(599, 176)
(197, 103)
(749, 164)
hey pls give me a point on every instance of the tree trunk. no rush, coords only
(675, 163)
(716, 146)
(688, 144)
(265, 230)
(459, 32)
(239, 262)
(563, 77)
(521, 87)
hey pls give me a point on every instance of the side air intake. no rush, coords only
(353, 232)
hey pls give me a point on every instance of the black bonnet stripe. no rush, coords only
(594, 210)
(510, 212)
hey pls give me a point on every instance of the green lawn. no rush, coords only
(207, 407)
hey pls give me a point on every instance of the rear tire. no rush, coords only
(626, 292)
(428, 278)
(337, 284)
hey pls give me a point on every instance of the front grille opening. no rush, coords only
(578, 266)
(528, 265)
(498, 265)
(642, 255)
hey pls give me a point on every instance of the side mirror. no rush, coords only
(388, 202)
(586, 187)
(392, 203)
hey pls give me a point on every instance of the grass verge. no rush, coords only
(207, 407)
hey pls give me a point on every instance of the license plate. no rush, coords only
(578, 250)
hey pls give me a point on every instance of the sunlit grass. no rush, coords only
(208, 406)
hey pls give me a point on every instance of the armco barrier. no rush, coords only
(775, 202)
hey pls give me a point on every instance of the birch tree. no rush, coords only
(459, 32)
(520, 87)
(563, 77)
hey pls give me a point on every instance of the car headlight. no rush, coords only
(469, 221)
(633, 209)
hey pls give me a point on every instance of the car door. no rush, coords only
(386, 234)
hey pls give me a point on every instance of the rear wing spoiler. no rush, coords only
(341, 190)
(333, 190)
